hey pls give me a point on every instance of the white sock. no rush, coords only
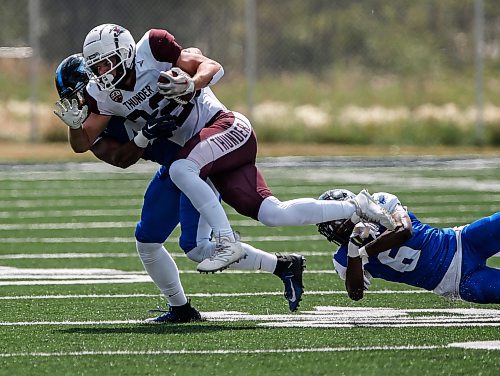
(303, 211)
(256, 260)
(163, 271)
(186, 176)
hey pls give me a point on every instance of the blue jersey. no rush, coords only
(160, 150)
(421, 262)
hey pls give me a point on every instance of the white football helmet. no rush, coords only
(112, 45)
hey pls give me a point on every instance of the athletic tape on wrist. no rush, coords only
(362, 252)
(141, 140)
(352, 250)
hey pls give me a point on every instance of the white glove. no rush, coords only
(361, 231)
(70, 114)
(176, 83)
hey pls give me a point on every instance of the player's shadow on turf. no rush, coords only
(156, 329)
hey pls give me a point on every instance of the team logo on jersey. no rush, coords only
(116, 95)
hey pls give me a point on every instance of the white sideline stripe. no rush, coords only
(126, 239)
(205, 295)
(219, 351)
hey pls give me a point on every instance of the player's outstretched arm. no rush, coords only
(354, 281)
(81, 139)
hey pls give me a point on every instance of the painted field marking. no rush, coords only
(207, 295)
(492, 345)
(131, 239)
(332, 317)
(79, 255)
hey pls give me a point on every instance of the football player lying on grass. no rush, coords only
(451, 262)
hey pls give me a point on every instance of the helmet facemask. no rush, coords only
(109, 49)
(107, 80)
(337, 231)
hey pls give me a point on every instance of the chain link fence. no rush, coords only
(307, 63)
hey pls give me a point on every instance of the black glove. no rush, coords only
(159, 127)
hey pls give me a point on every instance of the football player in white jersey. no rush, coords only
(164, 206)
(448, 261)
(157, 78)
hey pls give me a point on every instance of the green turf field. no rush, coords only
(74, 293)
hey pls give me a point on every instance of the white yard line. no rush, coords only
(329, 317)
(87, 225)
(217, 351)
(77, 255)
(204, 295)
(127, 239)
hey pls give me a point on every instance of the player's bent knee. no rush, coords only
(175, 170)
(181, 169)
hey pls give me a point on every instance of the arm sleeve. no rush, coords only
(164, 46)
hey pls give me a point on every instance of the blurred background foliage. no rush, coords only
(332, 71)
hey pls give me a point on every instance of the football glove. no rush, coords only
(158, 127)
(177, 85)
(155, 127)
(70, 114)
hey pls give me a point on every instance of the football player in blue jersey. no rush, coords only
(165, 206)
(451, 262)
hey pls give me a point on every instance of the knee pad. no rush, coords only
(148, 252)
(181, 168)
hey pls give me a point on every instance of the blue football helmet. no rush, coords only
(71, 78)
(340, 230)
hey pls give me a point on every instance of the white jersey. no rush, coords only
(157, 51)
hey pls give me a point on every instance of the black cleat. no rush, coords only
(176, 314)
(290, 269)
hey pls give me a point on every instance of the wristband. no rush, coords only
(352, 250)
(216, 77)
(141, 140)
(362, 252)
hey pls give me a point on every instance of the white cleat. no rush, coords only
(227, 252)
(369, 210)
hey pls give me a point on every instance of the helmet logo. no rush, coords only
(116, 96)
(117, 30)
